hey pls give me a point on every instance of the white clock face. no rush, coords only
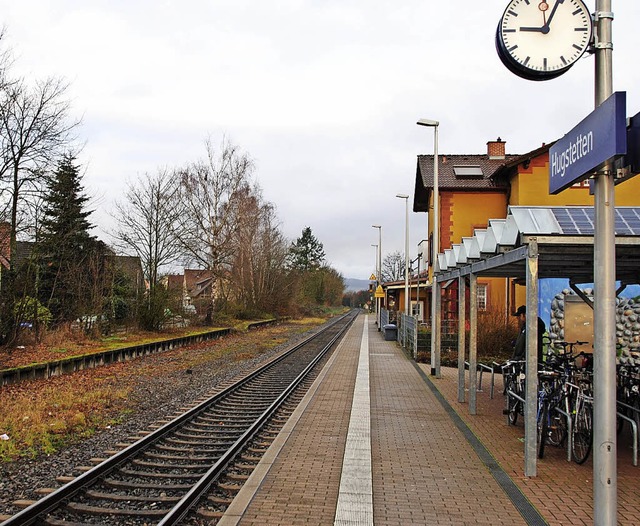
(542, 39)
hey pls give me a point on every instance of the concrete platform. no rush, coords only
(378, 441)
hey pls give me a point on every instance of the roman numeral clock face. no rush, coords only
(540, 40)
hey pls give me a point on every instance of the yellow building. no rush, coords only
(476, 188)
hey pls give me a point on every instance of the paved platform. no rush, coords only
(415, 457)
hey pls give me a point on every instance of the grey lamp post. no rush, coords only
(406, 252)
(378, 271)
(435, 356)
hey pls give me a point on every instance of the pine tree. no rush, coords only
(67, 251)
(307, 253)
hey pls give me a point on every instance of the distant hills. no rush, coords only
(354, 285)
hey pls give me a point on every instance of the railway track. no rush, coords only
(188, 470)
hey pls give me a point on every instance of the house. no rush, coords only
(476, 188)
(196, 288)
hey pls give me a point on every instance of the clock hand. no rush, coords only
(542, 6)
(553, 12)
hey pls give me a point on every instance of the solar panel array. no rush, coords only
(580, 220)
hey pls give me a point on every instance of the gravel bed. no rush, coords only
(157, 399)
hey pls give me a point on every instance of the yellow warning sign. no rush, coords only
(372, 277)
(379, 292)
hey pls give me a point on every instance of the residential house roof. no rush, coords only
(198, 281)
(460, 172)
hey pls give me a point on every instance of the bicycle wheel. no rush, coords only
(514, 409)
(636, 415)
(543, 426)
(582, 436)
(557, 432)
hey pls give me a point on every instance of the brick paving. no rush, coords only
(424, 469)
(562, 491)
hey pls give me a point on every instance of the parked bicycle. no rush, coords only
(582, 436)
(514, 388)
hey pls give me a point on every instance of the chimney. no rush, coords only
(495, 149)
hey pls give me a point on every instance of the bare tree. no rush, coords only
(259, 266)
(211, 191)
(393, 267)
(34, 129)
(146, 220)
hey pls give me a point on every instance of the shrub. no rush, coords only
(495, 336)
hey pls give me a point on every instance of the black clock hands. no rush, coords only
(545, 28)
(553, 12)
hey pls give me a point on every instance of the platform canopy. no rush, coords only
(564, 243)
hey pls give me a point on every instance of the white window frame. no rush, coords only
(483, 296)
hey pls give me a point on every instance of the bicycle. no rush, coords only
(551, 424)
(553, 395)
(582, 439)
(514, 388)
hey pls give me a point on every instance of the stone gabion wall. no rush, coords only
(627, 321)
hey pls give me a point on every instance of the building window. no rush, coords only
(482, 296)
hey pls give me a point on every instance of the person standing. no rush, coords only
(520, 347)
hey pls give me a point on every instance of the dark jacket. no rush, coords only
(520, 347)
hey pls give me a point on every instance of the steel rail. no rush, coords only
(200, 488)
(51, 501)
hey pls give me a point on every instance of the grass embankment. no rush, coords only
(40, 416)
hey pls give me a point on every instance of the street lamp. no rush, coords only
(376, 274)
(406, 252)
(435, 357)
(378, 271)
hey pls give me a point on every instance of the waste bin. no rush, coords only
(390, 332)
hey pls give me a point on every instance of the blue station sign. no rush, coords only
(599, 138)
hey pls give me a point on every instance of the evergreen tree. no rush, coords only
(68, 253)
(307, 253)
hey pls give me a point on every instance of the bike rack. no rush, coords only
(511, 393)
(483, 367)
(634, 431)
(569, 431)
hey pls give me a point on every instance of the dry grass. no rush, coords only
(39, 416)
(42, 415)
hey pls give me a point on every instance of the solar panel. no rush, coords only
(581, 221)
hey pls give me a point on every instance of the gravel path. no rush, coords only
(158, 397)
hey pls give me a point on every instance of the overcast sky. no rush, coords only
(323, 94)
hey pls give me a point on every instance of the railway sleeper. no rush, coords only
(97, 510)
(52, 521)
(193, 443)
(224, 418)
(134, 484)
(134, 498)
(218, 430)
(209, 515)
(236, 477)
(220, 501)
(207, 437)
(160, 475)
(186, 457)
(172, 465)
(190, 450)
(218, 424)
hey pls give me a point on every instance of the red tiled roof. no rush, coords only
(448, 180)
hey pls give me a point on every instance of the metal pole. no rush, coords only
(435, 347)
(473, 343)
(378, 276)
(406, 253)
(418, 288)
(604, 365)
(407, 301)
(531, 382)
(462, 296)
